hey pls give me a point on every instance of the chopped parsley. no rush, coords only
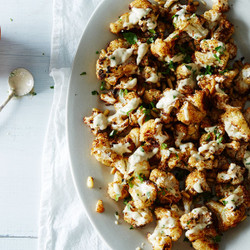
(217, 239)
(223, 71)
(83, 73)
(209, 70)
(117, 197)
(171, 65)
(217, 58)
(151, 31)
(130, 182)
(51, 87)
(141, 148)
(11, 19)
(164, 146)
(151, 40)
(140, 177)
(220, 139)
(147, 113)
(224, 202)
(188, 222)
(130, 37)
(97, 52)
(94, 92)
(123, 92)
(152, 104)
(103, 86)
(113, 133)
(33, 93)
(129, 112)
(131, 228)
(208, 137)
(220, 50)
(188, 67)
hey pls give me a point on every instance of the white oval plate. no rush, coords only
(80, 103)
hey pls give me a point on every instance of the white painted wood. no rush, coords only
(26, 32)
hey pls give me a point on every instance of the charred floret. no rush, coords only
(167, 186)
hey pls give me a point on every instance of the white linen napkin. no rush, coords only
(63, 223)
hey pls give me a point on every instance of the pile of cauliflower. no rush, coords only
(177, 139)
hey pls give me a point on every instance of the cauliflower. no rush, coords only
(151, 131)
(235, 124)
(118, 189)
(97, 121)
(196, 183)
(137, 217)
(101, 149)
(234, 174)
(168, 225)
(199, 224)
(188, 114)
(143, 193)
(167, 186)
(227, 218)
(243, 80)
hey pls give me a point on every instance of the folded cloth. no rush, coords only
(63, 223)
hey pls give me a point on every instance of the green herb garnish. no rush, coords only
(217, 58)
(164, 146)
(188, 67)
(94, 92)
(113, 133)
(103, 86)
(217, 239)
(130, 37)
(224, 202)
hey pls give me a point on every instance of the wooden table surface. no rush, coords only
(26, 32)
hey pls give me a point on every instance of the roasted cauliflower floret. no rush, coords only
(220, 5)
(206, 244)
(116, 61)
(150, 75)
(137, 217)
(199, 224)
(228, 216)
(188, 114)
(234, 174)
(97, 121)
(196, 183)
(190, 23)
(118, 189)
(151, 95)
(167, 186)
(143, 193)
(101, 149)
(169, 100)
(214, 54)
(129, 83)
(151, 132)
(142, 15)
(168, 225)
(243, 81)
(235, 124)
(225, 190)
(198, 161)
